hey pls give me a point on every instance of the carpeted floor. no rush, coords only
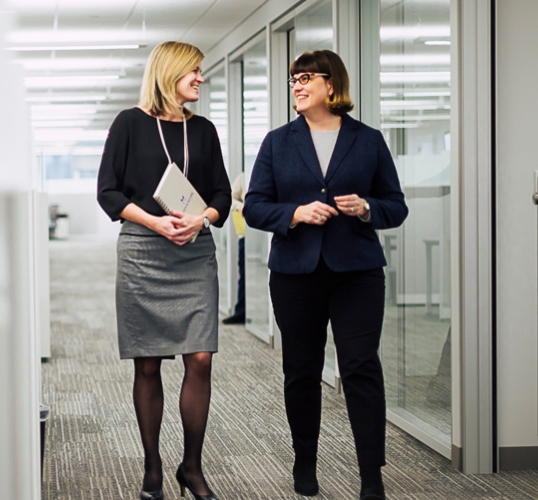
(93, 449)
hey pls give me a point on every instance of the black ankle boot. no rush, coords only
(371, 483)
(304, 476)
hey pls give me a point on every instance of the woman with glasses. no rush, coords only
(166, 282)
(323, 184)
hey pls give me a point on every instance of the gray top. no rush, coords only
(324, 142)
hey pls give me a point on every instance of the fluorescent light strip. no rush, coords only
(36, 82)
(399, 125)
(64, 78)
(45, 48)
(434, 93)
(415, 77)
(415, 59)
(41, 117)
(60, 123)
(61, 109)
(427, 94)
(63, 98)
(421, 117)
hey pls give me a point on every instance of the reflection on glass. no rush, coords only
(412, 68)
(314, 31)
(314, 28)
(218, 114)
(255, 127)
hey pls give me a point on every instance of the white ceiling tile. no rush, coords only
(72, 22)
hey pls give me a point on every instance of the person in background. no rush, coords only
(166, 284)
(324, 184)
(238, 198)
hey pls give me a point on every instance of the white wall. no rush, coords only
(19, 359)
(517, 107)
(78, 199)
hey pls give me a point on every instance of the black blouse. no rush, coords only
(134, 161)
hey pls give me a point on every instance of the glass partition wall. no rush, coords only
(255, 101)
(405, 91)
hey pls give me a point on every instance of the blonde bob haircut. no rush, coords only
(167, 64)
(326, 61)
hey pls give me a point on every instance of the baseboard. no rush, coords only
(518, 458)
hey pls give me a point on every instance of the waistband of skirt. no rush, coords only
(133, 229)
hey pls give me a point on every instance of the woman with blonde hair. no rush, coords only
(166, 283)
(323, 184)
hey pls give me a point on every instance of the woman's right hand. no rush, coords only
(168, 226)
(314, 213)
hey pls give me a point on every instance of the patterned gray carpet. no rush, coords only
(93, 449)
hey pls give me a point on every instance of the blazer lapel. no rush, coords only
(346, 138)
(303, 141)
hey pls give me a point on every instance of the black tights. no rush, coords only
(193, 405)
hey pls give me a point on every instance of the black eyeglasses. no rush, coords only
(304, 79)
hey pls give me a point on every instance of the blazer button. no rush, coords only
(323, 191)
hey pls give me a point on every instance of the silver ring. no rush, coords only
(320, 217)
(352, 209)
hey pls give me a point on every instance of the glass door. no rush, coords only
(405, 91)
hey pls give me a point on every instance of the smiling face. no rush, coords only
(187, 86)
(310, 97)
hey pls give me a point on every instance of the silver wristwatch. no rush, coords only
(207, 222)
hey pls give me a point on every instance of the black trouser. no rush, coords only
(354, 303)
(240, 307)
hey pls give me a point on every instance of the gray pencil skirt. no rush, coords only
(166, 294)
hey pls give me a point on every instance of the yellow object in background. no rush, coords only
(239, 222)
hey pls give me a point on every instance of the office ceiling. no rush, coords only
(78, 76)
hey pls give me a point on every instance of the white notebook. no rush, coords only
(175, 192)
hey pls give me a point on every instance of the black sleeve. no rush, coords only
(221, 191)
(112, 169)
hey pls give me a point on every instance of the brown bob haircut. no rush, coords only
(326, 61)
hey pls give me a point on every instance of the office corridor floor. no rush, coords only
(93, 449)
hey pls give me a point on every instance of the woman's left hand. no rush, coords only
(351, 204)
(189, 225)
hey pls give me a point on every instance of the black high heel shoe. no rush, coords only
(152, 495)
(183, 483)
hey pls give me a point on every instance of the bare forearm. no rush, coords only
(138, 215)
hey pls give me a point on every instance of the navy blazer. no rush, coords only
(287, 174)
